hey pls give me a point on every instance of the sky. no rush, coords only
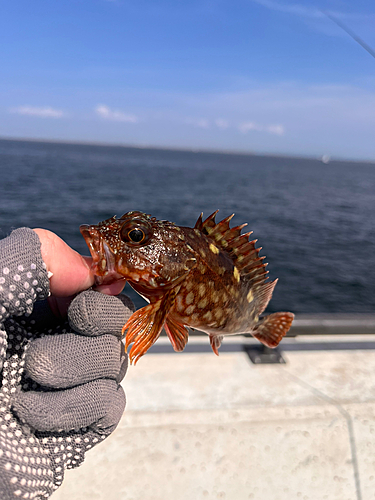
(258, 76)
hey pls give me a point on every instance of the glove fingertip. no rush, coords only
(108, 423)
(92, 313)
(98, 404)
(124, 363)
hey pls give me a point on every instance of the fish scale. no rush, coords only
(210, 278)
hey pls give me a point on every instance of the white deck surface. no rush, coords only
(199, 426)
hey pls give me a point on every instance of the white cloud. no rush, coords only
(243, 127)
(199, 122)
(114, 115)
(275, 129)
(299, 9)
(221, 123)
(46, 112)
(247, 126)
(295, 8)
(282, 117)
(271, 129)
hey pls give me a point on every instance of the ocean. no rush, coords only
(314, 221)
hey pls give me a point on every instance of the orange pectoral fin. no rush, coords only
(144, 326)
(144, 330)
(177, 333)
(273, 328)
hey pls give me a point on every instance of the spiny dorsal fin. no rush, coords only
(198, 224)
(208, 223)
(243, 252)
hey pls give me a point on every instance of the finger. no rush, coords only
(92, 313)
(112, 289)
(98, 404)
(67, 360)
(59, 305)
(71, 272)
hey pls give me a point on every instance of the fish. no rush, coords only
(209, 278)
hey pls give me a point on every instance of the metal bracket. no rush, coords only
(263, 355)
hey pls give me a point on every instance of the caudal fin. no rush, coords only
(273, 328)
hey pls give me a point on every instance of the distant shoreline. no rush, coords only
(186, 150)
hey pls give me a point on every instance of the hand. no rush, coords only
(61, 392)
(71, 272)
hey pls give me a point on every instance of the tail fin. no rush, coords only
(271, 329)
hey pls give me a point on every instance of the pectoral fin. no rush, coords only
(145, 325)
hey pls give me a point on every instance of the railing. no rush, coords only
(325, 325)
(302, 336)
(332, 324)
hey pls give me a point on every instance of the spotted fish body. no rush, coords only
(209, 277)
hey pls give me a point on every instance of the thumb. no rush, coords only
(71, 272)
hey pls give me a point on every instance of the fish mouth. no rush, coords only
(104, 260)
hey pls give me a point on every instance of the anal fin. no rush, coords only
(271, 329)
(215, 341)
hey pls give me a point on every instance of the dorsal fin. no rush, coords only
(264, 294)
(208, 223)
(243, 252)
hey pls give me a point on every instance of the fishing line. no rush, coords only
(351, 33)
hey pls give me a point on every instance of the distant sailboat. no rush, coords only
(325, 159)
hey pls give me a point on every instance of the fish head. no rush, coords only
(149, 253)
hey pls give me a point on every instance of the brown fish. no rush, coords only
(209, 277)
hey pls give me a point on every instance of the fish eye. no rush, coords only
(134, 234)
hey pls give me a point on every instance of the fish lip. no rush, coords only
(104, 261)
(93, 241)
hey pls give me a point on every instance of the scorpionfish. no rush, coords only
(209, 278)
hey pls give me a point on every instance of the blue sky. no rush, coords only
(267, 76)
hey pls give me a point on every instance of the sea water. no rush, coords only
(314, 221)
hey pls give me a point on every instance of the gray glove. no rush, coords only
(61, 394)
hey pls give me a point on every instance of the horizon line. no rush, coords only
(232, 152)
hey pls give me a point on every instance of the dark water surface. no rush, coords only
(315, 222)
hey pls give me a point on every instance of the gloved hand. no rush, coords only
(60, 392)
